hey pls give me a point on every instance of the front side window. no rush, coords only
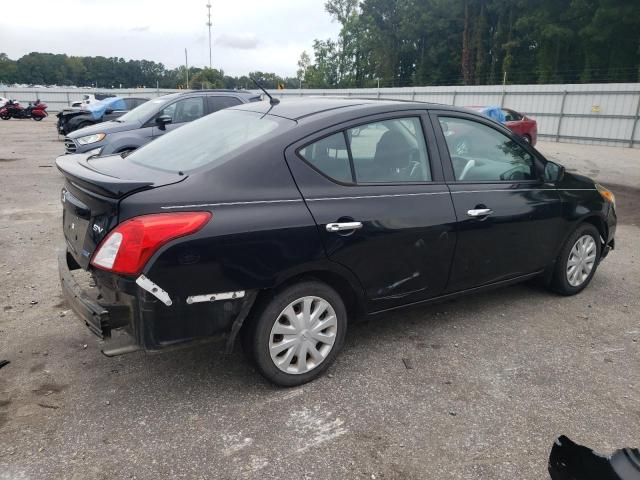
(511, 116)
(185, 110)
(390, 151)
(481, 153)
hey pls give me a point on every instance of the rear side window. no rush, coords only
(390, 151)
(481, 153)
(330, 156)
(218, 103)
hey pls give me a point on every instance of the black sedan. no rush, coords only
(282, 223)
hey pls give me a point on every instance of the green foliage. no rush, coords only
(476, 42)
(47, 68)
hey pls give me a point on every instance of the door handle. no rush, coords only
(479, 212)
(340, 227)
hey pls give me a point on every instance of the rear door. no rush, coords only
(375, 189)
(509, 219)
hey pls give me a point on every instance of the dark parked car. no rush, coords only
(106, 109)
(152, 120)
(284, 223)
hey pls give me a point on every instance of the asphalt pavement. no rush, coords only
(476, 388)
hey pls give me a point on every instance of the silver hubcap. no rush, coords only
(303, 335)
(581, 260)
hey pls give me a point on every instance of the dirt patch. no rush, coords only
(627, 201)
(47, 389)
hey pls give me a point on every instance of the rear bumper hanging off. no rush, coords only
(99, 318)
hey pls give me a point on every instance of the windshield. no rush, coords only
(142, 112)
(207, 141)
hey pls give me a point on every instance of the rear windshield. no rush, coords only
(207, 141)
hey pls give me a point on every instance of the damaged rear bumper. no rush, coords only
(145, 313)
(100, 318)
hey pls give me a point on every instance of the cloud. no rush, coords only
(140, 29)
(243, 41)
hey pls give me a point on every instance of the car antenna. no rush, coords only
(272, 101)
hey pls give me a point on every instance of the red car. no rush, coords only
(519, 123)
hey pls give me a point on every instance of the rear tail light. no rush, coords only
(131, 244)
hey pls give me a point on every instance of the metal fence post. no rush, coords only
(635, 124)
(453, 102)
(504, 94)
(564, 97)
(68, 99)
(413, 95)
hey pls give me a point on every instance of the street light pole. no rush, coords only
(209, 25)
(186, 67)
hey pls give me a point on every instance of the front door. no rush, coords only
(181, 112)
(509, 220)
(377, 194)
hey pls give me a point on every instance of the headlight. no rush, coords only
(86, 140)
(606, 194)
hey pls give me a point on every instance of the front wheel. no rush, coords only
(37, 119)
(295, 335)
(5, 116)
(527, 138)
(577, 261)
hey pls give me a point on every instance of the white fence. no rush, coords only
(601, 114)
(59, 98)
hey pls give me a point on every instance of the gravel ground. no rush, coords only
(495, 378)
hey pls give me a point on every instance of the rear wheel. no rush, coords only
(577, 261)
(37, 119)
(527, 138)
(5, 116)
(295, 335)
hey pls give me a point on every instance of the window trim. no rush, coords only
(421, 115)
(538, 160)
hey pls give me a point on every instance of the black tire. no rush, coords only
(37, 119)
(560, 282)
(527, 138)
(256, 332)
(5, 117)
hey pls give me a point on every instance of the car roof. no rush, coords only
(301, 108)
(221, 92)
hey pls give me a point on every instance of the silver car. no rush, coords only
(151, 120)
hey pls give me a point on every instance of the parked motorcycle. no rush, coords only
(13, 109)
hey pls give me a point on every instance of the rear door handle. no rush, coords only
(340, 227)
(479, 212)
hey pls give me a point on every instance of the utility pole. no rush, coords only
(209, 25)
(186, 67)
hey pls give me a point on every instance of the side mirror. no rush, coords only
(108, 111)
(553, 172)
(162, 121)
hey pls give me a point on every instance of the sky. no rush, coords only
(247, 36)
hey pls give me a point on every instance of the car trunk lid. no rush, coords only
(92, 192)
